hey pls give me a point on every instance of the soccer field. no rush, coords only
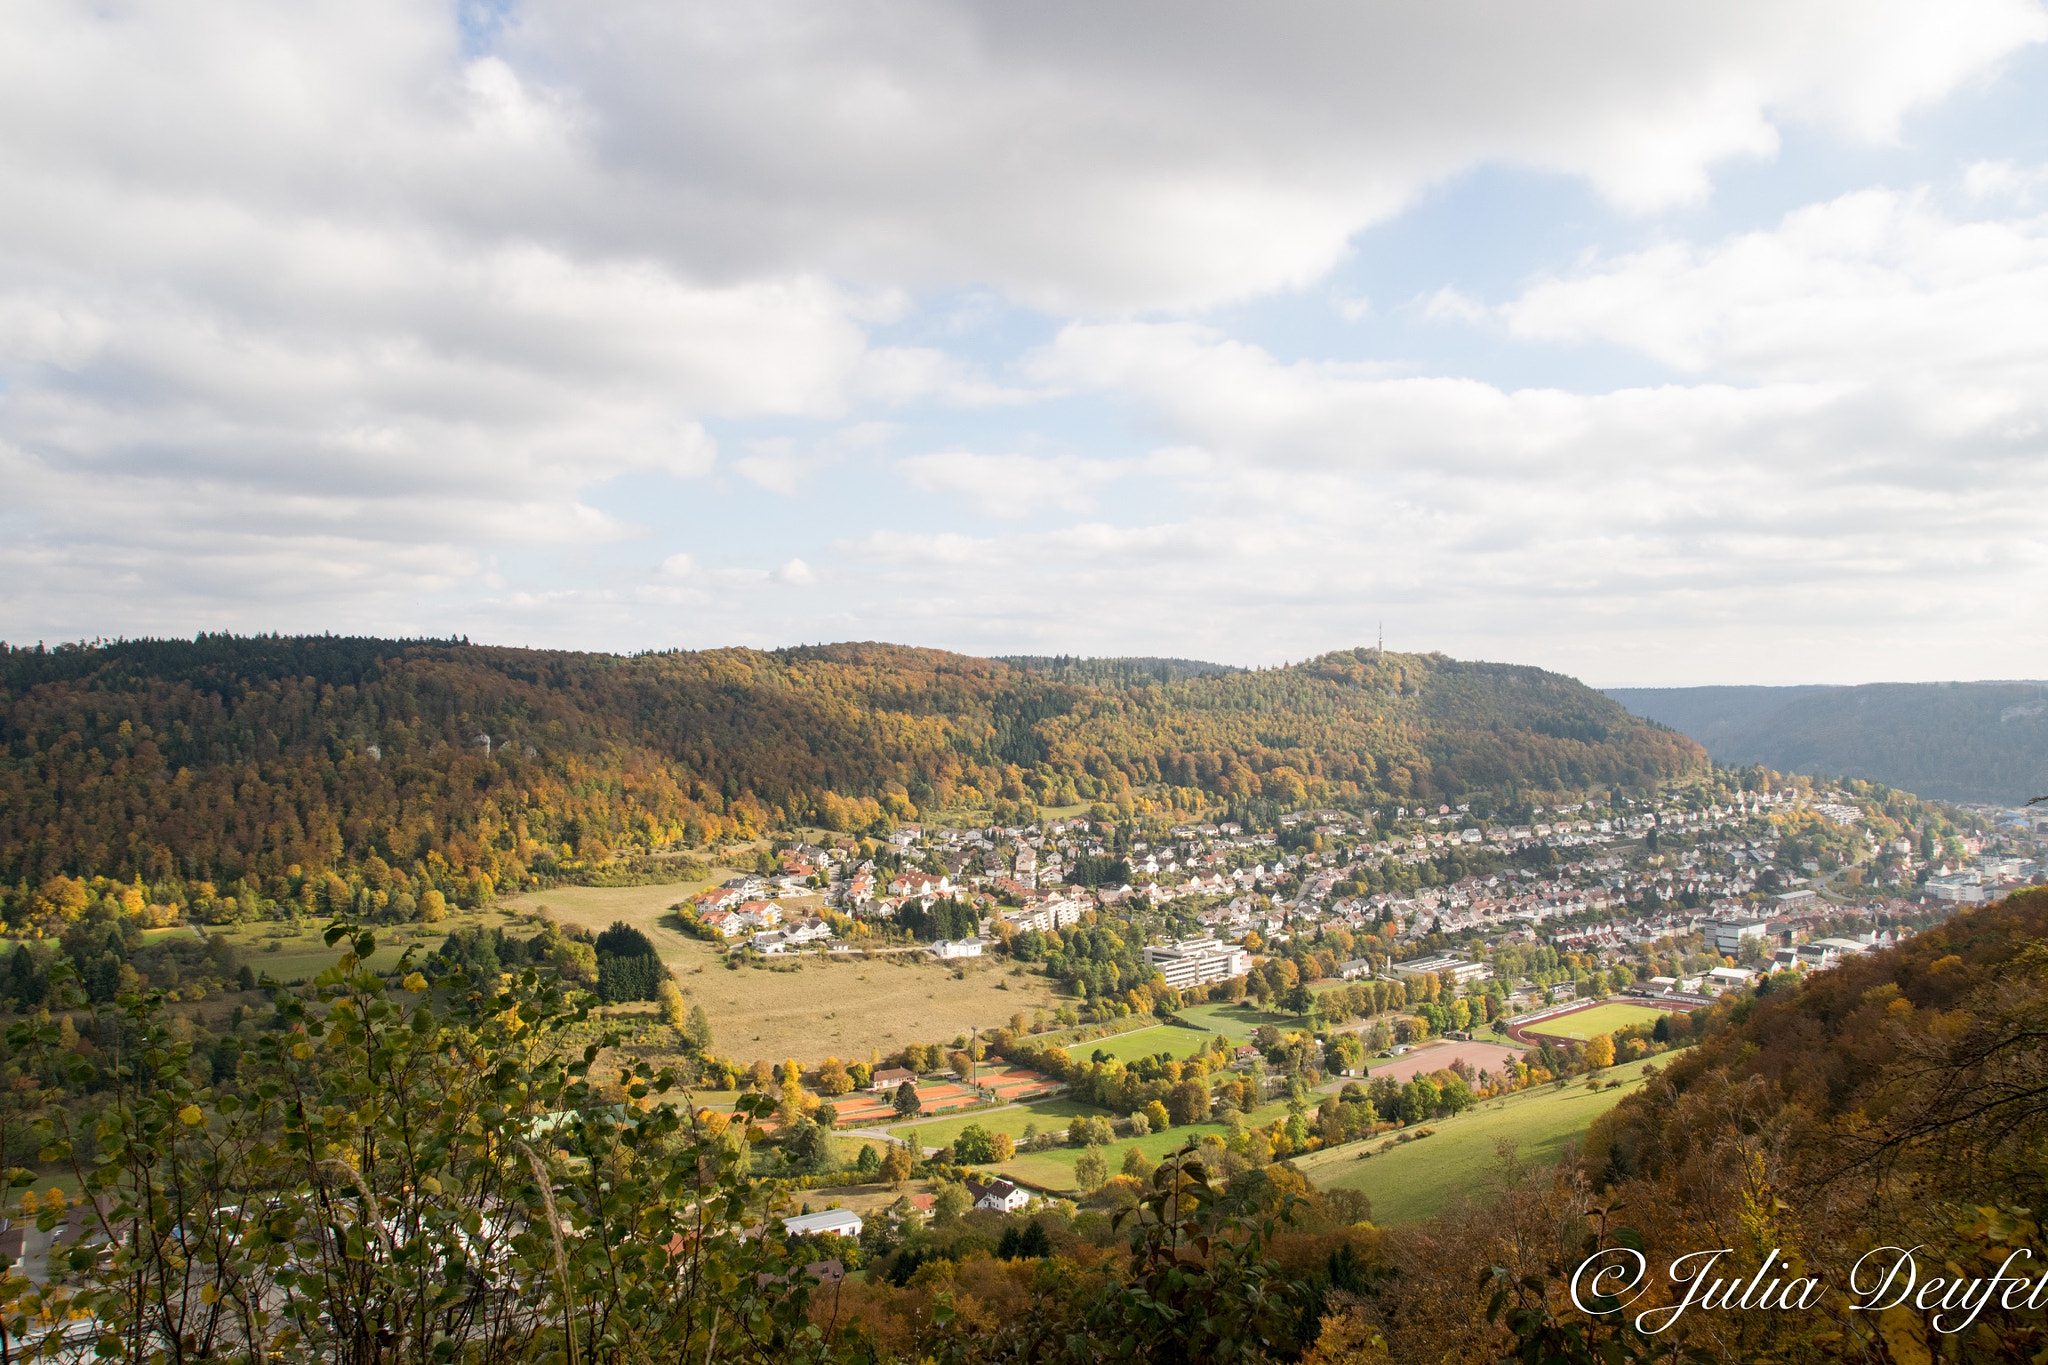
(1599, 1019)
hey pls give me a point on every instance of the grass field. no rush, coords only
(1235, 1022)
(301, 952)
(1046, 1114)
(1417, 1179)
(1144, 1042)
(1055, 1169)
(806, 1006)
(597, 907)
(1599, 1019)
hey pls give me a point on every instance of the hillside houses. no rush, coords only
(744, 918)
(920, 885)
(792, 937)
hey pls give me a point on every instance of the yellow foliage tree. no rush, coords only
(833, 1078)
(1600, 1051)
(669, 997)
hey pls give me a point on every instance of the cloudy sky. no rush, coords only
(1661, 344)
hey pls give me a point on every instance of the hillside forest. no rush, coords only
(224, 776)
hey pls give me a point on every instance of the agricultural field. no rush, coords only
(1417, 1179)
(806, 1006)
(809, 1007)
(1605, 1018)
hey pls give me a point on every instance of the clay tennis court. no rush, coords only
(863, 1109)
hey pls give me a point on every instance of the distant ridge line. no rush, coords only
(1117, 670)
(1951, 741)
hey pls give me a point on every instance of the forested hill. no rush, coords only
(1982, 741)
(230, 758)
(1122, 671)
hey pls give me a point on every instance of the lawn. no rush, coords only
(1236, 1022)
(1144, 1042)
(1418, 1178)
(1055, 1169)
(1047, 1114)
(1599, 1019)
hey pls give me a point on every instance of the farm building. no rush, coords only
(835, 1222)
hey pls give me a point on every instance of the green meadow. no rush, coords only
(1416, 1179)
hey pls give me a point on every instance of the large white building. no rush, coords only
(1461, 971)
(1046, 916)
(1729, 938)
(1195, 960)
(836, 1222)
(1961, 888)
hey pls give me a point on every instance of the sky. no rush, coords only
(1657, 344)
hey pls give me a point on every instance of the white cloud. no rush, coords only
(1151, 155)
(1940, 327)
(2002, 179)
(1011, 485)
(1821, 515)
(309, 318)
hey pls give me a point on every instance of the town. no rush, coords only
(1719, 886)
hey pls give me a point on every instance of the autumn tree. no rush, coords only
(833, 1078)
(1600, 1051)
(668, 997)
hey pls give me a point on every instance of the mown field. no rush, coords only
(1145, 1042)
(1235, 1022)
(1044, 1114)
(1417, 1179)
(1055, 1169)
(1600, 1019)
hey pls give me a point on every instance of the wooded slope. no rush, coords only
(226, 757)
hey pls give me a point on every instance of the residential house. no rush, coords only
(1002, 1196)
